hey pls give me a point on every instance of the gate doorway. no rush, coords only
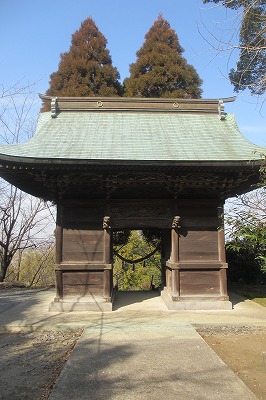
(137, 260)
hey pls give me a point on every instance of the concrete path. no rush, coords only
(139, 351)
(31, 312)
(146, 359)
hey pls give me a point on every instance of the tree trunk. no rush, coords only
(3, 271)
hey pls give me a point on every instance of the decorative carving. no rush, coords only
(54, 107)
(141, 216)
(176, 222)
(137, 212)
(106, 222)
(176, 105)
(174, 184)
(114, 182)
(221, 110)
(99, 104)
(63, 181)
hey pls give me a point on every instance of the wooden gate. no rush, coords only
(193, 254)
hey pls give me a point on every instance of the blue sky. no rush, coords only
(33, 33)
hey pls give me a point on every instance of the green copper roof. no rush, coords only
(135, 136)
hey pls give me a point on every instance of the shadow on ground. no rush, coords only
(126, 298)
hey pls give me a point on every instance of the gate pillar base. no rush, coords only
(86, 303)
(195, 303)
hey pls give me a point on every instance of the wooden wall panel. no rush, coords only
(198, 240)
(199, 215)
(199, 283)
(83, 217)
(83, 246)
(82, 283)
(199, 222)
(199, 246)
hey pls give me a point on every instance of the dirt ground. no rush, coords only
(31, 362)
(243, 349)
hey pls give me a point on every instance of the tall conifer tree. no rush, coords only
(160, 69)
(86, 69)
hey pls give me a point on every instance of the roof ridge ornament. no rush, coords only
(54, 107)
(221, 111)
(136, 104)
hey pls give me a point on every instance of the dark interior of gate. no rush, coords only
(192, 252)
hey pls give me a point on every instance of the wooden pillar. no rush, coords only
(221, 239)
(174, 258)
(107, 245)
(59, 235)
(174, 246)
(108, 272)
(58, 252)
(58, 285)
(108, 283)
(222, 255)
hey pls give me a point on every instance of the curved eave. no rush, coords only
(52, 179)
(23, 162)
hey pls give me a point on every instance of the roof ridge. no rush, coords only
(137, 104)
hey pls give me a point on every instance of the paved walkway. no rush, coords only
(139, 351)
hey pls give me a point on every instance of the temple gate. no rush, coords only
(121, 163)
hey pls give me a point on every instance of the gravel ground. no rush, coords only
(31, 362)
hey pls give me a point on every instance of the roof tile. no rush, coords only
(139, 136)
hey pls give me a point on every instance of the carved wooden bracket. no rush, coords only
(106, 222)
(176, 222)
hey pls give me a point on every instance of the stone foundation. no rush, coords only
(194, 303)
(69, 304)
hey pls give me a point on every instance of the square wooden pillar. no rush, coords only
(196, 269)
(83, 258)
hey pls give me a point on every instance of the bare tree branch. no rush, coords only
(22, 218)
(244, 34)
